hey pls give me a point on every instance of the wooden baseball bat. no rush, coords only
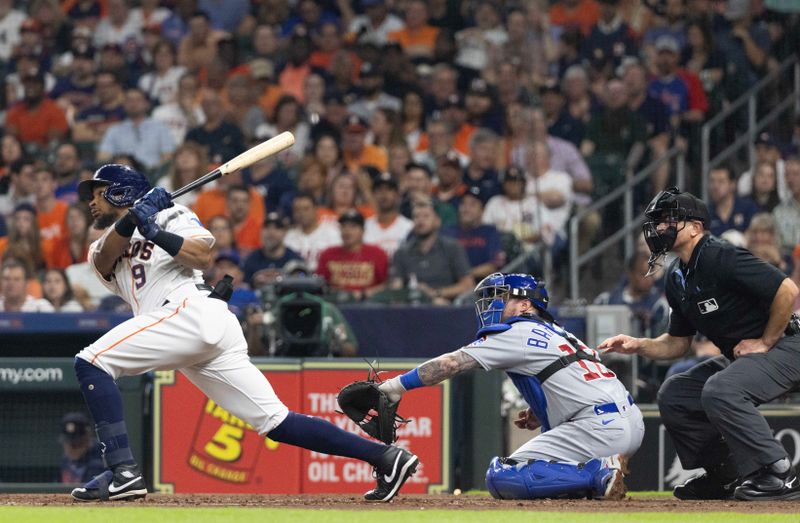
(249, 157)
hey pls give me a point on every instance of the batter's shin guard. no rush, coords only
(546, 479)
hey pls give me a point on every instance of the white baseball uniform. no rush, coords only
(176, 326)
(585, 411)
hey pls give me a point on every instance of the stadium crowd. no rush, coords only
(435, 140)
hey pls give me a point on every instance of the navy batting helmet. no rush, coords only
(124, 185)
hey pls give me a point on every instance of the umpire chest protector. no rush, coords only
(724, 292)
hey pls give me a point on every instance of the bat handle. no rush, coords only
(210, 177)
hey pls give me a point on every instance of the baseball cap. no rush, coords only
(230, 255)
(368, 70)
(25, 206)
(479, 87)
(385, 179)
(765, 138)
(512, 174)
(355, 123)
(450, 159)
(454, 100)
(276, 218)
(74, 427)
(475, 192)
(351, 216)
(262, 68)
(667, 43)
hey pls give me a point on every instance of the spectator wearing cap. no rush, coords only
(582, 14)
(787, 213)
(198, 48)
(83, 456)
(450, 184)
(371, 94)
(356, 152)
(745, 45)
(51, 218)
(10, 22)
(161, 84)
(480, 241)
(387, 228)
(75, 91)
(36, 120)
(437, 264)
(671, 23)
(417, 38)
(477, 44)
(514, 211)
(247, 231)
(297, 66)
(482, 111)
(481, 171)
(266, 87)
(184, 112)
(108, 109)
(228, 262)
(262, 266)
(419, 187)
(140, 136)
(354, 267)
(374, 25)
(727, 211)
(119, 27)
(610, 37)
(667, 86)
(223, 139)
(14, 296)
(310, 236)
(767, 151)
(31, 42)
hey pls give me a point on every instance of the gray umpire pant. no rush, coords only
(710, 410)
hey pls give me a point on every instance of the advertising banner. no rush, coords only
(199, 447)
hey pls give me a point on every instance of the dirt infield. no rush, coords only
(414, 502)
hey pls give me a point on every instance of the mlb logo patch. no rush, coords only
(708, 306)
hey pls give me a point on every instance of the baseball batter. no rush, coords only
(151, 254)
(587, 417)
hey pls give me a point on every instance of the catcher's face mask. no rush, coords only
(491, 295)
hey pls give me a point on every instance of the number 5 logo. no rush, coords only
(226, 445)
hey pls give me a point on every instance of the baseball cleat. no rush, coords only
(124, 483)
(395, 467)
(775, 482)
(704, 487)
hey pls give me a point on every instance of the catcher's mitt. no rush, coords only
(367, 405)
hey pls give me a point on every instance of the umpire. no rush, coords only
(744, 306)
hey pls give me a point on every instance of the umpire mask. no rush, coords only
(670, 207)
(490, 299)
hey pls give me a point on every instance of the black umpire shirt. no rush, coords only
(724, 292)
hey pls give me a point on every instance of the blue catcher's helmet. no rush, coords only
(125, 185)
(494, 290)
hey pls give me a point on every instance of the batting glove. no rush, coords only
(149, 228)
(156, 199)
(393, 389)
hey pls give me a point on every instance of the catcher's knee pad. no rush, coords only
(546, 479)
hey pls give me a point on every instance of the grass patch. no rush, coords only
(249, 515)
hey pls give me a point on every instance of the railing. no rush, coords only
(754, 126)
(625, 191)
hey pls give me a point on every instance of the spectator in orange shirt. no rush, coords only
(212, 202)
(297, 68)
(455, 114)
(356, 151)
(418, 38)
(51, 215)
(246, 231)
(37, 119)
(329, 41)
(582, 14)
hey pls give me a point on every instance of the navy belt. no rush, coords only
(200, 287)
(609, 408)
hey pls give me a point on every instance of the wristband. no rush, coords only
(168, 241)
(125, 226)
(411, 380)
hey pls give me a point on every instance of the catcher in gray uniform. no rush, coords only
(588, 419)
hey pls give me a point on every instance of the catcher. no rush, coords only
(588, 420)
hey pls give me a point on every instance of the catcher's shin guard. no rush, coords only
(547, 479)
